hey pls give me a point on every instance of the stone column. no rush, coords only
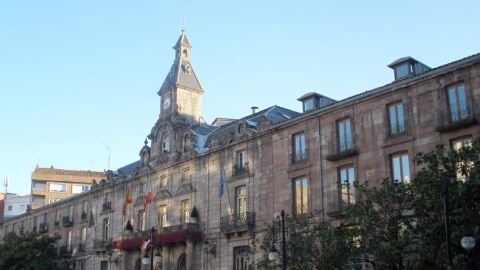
(190, 255)
(165, 257)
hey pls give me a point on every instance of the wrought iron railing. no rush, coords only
(67, 221)
(107, 206)
(299, 155)
(65, 251)
(240, 169)
(43, 227)
(342, 148)
(102, 244)
(81, 248)
(397, 128)
(237, 222)
(185, 227)
(455, 116)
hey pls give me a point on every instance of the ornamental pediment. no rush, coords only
(163, 194)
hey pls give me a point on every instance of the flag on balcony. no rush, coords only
(222, 179)
(128, 200)
(150, 197)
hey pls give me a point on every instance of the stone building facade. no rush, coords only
(210, 191)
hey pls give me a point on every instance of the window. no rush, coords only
(69, 240)
(457, 102)
(52, 200)
(56, 187)
(185, 177)
(10, 208)
(401, 167)
(241, 157)
(347, 189)
(308, 104)
(106, 228)
(241, 257)
(39, 186)
(104, 265)
(457, 145)
(85, 207)
(241, 201)
(141, 220)
(300, 196)
(185, 214)
(80, 188)
(402, 71)
(142, 188)
(396, 118)
(182, 262)
(163, 182)
(345, 141)
(162, 216)
(299, 147)
(83, 235)
(165, 143)
(107, 197)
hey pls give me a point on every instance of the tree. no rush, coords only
(28, 252)
(440, 173)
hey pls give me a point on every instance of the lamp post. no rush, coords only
(273, 253)
(157, 258)
(447, 225)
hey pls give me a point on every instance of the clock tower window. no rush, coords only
(166, 143)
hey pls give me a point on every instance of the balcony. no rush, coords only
(185, 227)
(342, 149)
(450, 119)
(43, 228)
(237, 223)
(106, 206)
(102, 244)
(67, 221)
(81, 248)
(299, 156)
(397, 129)
(83, 217)
(240, 170)
(65, 251)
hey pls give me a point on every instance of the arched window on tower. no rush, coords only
(186, 143)
(185, 53)
(165, 143)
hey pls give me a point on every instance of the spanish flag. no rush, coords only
(128, 200)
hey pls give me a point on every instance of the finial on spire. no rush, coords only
(146, 141)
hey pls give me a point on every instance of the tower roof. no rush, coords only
(181, 73)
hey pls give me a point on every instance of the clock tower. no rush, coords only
(181, 93)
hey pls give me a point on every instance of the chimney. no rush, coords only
(254, 109)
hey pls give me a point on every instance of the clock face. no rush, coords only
(166, 103)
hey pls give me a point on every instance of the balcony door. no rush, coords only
(457, 103)
(241, 201)
(344, 135)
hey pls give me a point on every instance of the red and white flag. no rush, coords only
(146, 244)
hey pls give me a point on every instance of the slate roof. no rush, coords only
(274, 114)
(128, 170)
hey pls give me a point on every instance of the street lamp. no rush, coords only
(150, 260)
(273, 253)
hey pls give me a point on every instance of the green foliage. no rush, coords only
(396, 225)
(27, 252)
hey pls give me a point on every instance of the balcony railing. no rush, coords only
(43, 227)
(396, 129)
(185, 227)
(107, 206)
(337, 202)
(455, 117)
(240, 169)
(102, 244)
(65, 251)
(237, 222)
(56, 224)
(299, 155)
(81, 248)
(341, 149)
(67, 221)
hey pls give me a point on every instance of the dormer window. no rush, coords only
(309, 104)
(408, 66)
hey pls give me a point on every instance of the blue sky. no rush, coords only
(79, 76)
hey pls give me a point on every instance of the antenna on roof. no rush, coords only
(5, 183)
(254, 109)
(184, 14)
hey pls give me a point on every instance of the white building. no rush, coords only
(15, 204)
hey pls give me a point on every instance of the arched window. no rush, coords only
(165, 143)
(185, 53)
(182, 262)
(186, 143)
